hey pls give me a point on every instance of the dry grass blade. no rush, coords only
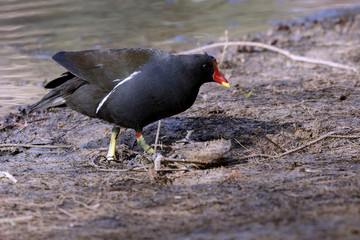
(323, 137)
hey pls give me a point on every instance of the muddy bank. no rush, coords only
(313, 193)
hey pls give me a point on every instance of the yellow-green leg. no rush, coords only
(111, 152)
(141, 141)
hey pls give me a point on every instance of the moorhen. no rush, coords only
(129, 87)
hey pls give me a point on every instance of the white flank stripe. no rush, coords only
(108, 95)
(59, 100)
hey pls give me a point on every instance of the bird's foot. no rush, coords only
(149, 150)
(111, 152)
(110, 158)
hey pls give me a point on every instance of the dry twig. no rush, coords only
(157, 136)
(31, 146)
(15, 219)
(323, 137)
(274, 49)
(67, 213)
(157, 162)
(9, 176)
(305, 145)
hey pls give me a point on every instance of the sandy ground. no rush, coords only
(311, 193)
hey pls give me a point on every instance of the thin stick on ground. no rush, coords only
(323, 137)
(274, 49)
(67, 213)
(16, 219)
(31, 146)
(157, 136)
(157, 162)
(9, 176)
(305, 145)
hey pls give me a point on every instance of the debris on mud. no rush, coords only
(207, 152)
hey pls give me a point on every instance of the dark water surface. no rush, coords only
(32, 31)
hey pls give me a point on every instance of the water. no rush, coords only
(32, 31)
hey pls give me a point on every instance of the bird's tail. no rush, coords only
(52, 99)
(63, 87)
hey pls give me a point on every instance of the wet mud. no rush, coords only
(311, 193)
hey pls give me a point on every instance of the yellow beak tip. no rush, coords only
(225, 84)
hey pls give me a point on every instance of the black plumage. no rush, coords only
(129, 87)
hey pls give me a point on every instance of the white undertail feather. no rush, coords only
(59, 101)
(48, 103)
(108, 95)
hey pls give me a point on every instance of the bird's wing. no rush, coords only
(106, 68)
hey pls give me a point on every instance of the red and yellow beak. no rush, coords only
(218, 77)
